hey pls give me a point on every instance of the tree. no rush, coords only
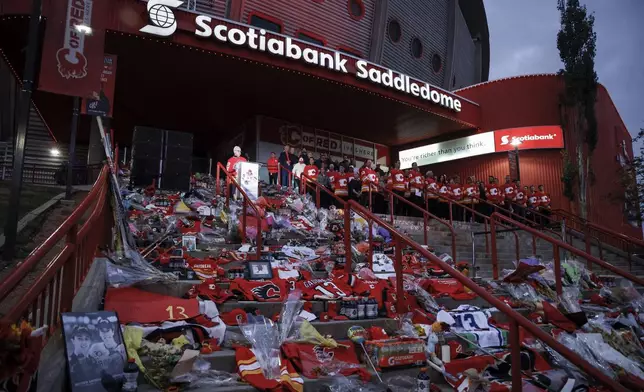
(631, 178)
(576, 43)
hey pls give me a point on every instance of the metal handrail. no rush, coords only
(585, 227)
(280, 167)
(12, 280)
(486, 220)
(426, 215)
(556, 246)
(246, 202)
(516, 320)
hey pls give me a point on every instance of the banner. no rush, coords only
(337, 146)
(72, 56)
(549, 136)
(448, 151)
(528, 138)
(102, 102)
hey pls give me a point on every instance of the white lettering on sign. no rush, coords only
(278, 45)
(447, 151)
(324, 143)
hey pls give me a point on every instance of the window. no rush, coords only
(416, 48)
(349, 51)
(356, 9)
(310, 37)
(265, 22)
(437, 63)
(394, 30)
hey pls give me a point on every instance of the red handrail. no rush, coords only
(516, 319)
(592, 230)
(246, 202)
(10, 282)
(486, 220)
(426, 216)
(556, 244)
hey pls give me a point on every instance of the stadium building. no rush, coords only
(383, 80)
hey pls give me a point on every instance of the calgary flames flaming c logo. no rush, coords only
(69, 69)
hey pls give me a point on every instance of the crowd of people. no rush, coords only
(370, 185)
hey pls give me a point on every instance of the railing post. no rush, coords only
(425, 226)
(399, 276)
(243, 236)
(534, 246)
(217, 185)
(370, 255)
(258, 240)
(495, 263)
(317, 195)
(587, 240)
(515, 347)
(347, 238)
(370, 207)
(487, 243)
(555, 254)
(70, 271)
(563, 229)
(451, 218)
(391, 208)
(628, 252)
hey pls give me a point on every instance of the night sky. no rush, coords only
(523, 40)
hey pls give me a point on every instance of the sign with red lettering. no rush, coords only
(72, 57)
(102, 102)
(529, 138)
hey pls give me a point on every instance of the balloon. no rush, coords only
(357, 334)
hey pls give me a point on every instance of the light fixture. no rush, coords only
(515, 142)
(85, 29)
(54, 152)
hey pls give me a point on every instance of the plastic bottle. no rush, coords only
(423, 383)
(130, 374)
(352, 310)
(361, 309)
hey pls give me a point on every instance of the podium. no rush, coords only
(248, 178)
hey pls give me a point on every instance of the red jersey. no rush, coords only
(341, 184)
(493, 193)
(370, 288)
(416, 180)
(521, 198)
(232, 161)
(443, 190)
(456, 191)
(272, 165)
(251, 372)
(544, 199)
(398, 179)
(211, 291)
(533, 200)
(309, 358)
(311, 171)
(432, 187)
(324, 288)
(447, 287)
(470, 193)
(510, 191)
(274, 290)
(140, 306)
(367, 177)
(332, 176)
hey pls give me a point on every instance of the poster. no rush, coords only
(248, 178)
(72, 55)
(94, 350)
(101, 102)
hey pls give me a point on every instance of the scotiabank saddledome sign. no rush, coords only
(163, 23)
(525, 138)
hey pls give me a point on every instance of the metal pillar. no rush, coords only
(22, 123)
(72, 148)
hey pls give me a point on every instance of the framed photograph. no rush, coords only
(94, 351)
(189, 242)
(258, 270)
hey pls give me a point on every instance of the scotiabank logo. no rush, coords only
(547, 136)
(506, 139)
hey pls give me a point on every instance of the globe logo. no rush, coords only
(162, 16)
(162, 20)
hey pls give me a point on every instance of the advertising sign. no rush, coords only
(72, 56)
(448, 151)
(485, 143)
(163, 23)
(549, 136)
(336, 146)
(102, 102)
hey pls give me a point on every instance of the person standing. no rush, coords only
(431, 188)
(341, 184)
(469, 197)
(398, 187)
(332, 173)
(369, 181)
(520, 199)
(298, 169)
(417, 185)
(273, 167)
(231, 167)
(493, 193)
(544, 205)
(456, 193)
(285, 160)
